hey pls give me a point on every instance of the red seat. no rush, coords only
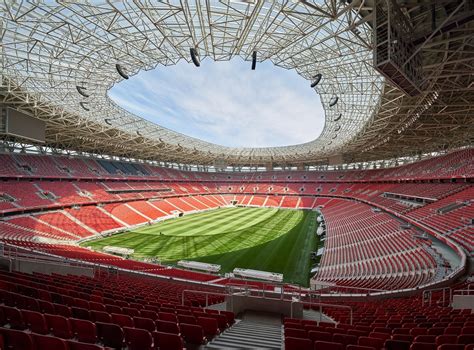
(46, 307)
(358, 333)
(168, 316)
(211, 311)
(81, 303)
(81, 313)
(404, 337)
(113, 309)
(209, 326)
(167, 309)
(325, 345)
(187, 319)
(435, 331)
(391, 344)
(467, 330)
(13, 317)
(110, 334)
(96, 306)
(451, 347)
(101, 316)
(321, 336)
(344, 326)
(344, 339)
(383, 336)
(63, 310)
(230, 316)
(167, 327)
(327, 324)
(298, 344)
(138, 339)
(167, 341)
(30, 304)
(295, 333)
(401, 331)
(425, 339)
(35, 322)
(359, 347)
(453, 330)
(130, 311)
(14, 339)
(466, 339)
(47, 342)
(144, 323)
(418, 331)
(148, 314)
(221, 321)
(423, 346)
(59, 326)
(74, 345)
(446, 339)
(374, 342)
(85, 331)
(192, 333)
(122, 320)
(382, 330)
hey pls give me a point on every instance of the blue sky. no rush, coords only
(226, 102)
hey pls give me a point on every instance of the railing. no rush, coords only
(468, 290)
(193, 291)
(321, 306)
(427, 296)
(273, 290)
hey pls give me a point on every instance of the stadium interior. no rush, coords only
(118, 233)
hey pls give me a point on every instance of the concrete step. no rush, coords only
(249, 335)
(271, 329)
(258, 329)
(239, 339)
(261, 334)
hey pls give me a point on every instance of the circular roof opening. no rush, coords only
(226, 103)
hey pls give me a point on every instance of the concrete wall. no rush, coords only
(30, 266)
(463, 302)
(241, 303)
(5, 263)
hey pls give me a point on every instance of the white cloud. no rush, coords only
(226, 102)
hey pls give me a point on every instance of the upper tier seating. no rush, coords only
(456, 164)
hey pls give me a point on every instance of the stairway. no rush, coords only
(250, 333)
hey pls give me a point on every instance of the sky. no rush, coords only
(226, 102)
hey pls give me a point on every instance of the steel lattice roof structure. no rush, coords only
(49, 49)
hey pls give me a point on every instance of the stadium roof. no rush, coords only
(59, 60)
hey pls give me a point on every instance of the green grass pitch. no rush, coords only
(268, 239)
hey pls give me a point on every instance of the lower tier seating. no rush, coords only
(371, 250)
(71, 312)
(400, 324)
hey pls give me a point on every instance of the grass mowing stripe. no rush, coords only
(267, 239)
(176, 226)
(187, 220)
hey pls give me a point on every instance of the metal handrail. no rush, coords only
(464, 292)
(321, 305)
(429, 292)
(193, 291)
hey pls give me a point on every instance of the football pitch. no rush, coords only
(269, 239)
